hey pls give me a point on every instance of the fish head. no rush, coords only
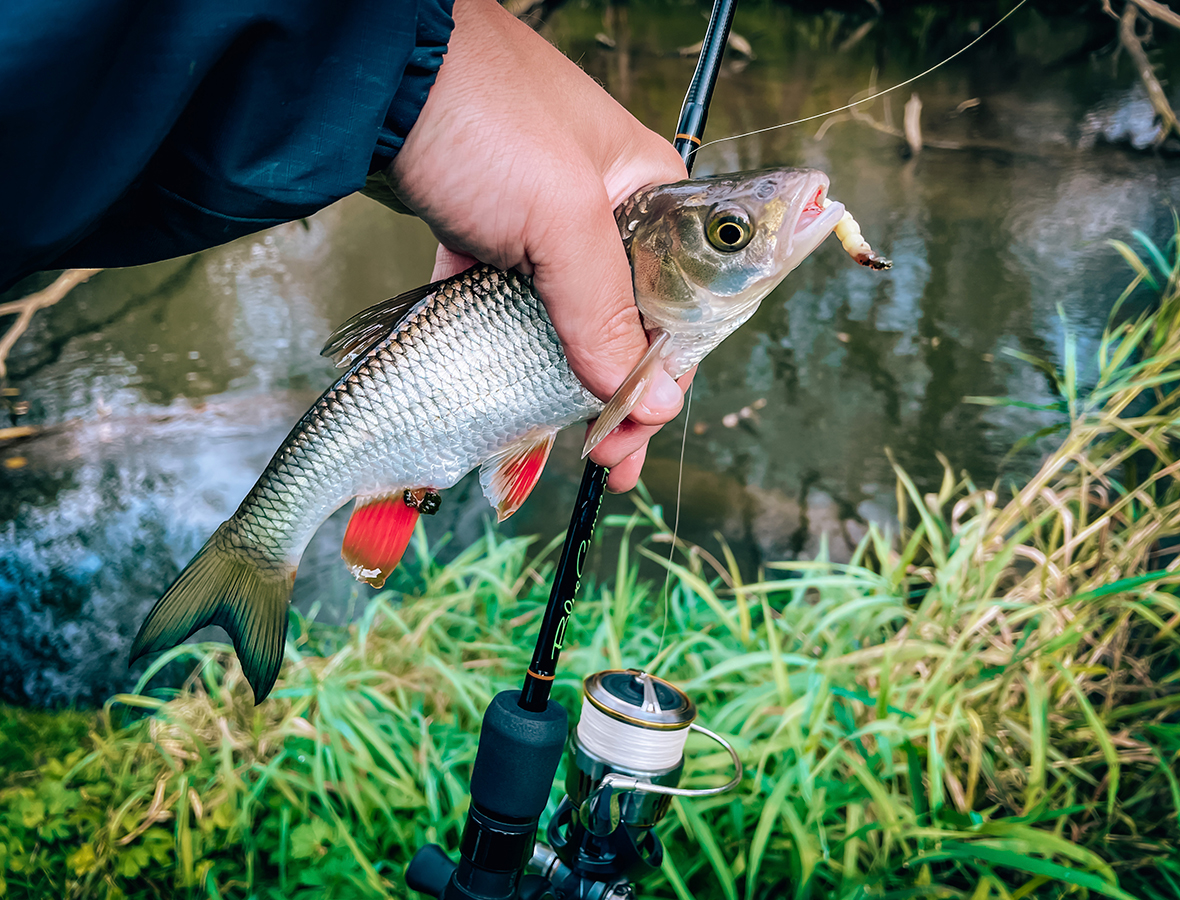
(704, 252)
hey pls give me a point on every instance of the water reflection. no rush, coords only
(163, 390)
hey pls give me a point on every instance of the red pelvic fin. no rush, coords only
(377, 535)
(510, 475)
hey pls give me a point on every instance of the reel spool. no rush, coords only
(623, 765)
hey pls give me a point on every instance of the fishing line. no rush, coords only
(734, 137)
(831, 112)
(675, 517)
(646, 748)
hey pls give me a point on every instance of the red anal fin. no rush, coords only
(510, 475)
(377, 535)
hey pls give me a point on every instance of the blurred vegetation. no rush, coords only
(984, 705)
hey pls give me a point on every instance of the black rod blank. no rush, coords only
(689, 131)
(539, 679)
(695, 111)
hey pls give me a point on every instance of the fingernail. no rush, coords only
(664, 395)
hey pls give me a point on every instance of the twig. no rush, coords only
(913, 124)
(913, 131)
(828, 123)
(1155, 91)
(866, 118)
(734, 42)
(18, 431)
(1159, 11)
(26, 308)
(857, 36)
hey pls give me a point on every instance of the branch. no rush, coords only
(913, 124)
(913, 129)
(25, 308)
(1155, 92)
(1159, 11)
(857, 36)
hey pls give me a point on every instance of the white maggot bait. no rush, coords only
(854, 243)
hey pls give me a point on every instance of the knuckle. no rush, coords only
(622, 324)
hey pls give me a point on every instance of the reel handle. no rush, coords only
(430, 871)
(519, 751)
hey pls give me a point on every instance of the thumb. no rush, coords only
(448, 262)
(583, 276)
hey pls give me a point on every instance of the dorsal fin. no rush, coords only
(371, 326)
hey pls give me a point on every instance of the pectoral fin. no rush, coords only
(509, 476)
(629, 393)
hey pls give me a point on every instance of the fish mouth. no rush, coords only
(812, 222)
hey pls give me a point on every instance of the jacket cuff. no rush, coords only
(435, 24)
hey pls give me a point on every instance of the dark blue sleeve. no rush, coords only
(137, 130)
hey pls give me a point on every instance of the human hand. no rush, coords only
(518, 159)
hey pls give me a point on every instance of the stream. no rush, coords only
(160, 392)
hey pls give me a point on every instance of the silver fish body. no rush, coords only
(470, 372)
(475, 366)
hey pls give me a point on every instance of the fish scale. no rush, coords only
(406, 416)
(467, 373)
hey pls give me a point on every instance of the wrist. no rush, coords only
(434, 26)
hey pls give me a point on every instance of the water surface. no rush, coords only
(161, 391)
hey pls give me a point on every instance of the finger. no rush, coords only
(643, 160)
(661, 403)
(637, 429)
(448, 262)
(582, 274)
(663, 400)
(625, 475)
(622, 442)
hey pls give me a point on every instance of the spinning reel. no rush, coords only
(623, 766)
(624, 763)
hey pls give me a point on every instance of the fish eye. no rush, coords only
(729, 230)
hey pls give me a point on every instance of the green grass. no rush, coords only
(983, 703)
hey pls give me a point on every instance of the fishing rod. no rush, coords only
(694, 113)
(689, 130)
(627, 754)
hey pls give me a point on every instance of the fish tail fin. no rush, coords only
(222, 587)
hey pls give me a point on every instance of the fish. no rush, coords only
(469, 372)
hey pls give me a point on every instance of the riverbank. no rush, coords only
(983, 703)
(157, 394)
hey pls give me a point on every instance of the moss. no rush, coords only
(29, 738)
